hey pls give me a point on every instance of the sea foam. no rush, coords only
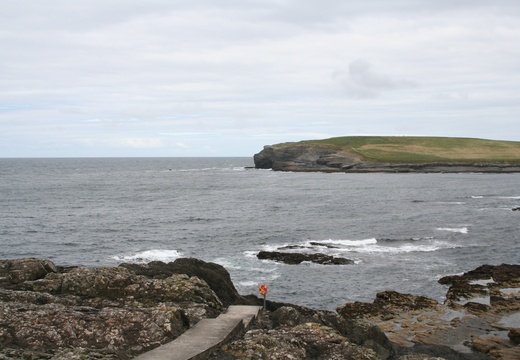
(148, 256)
(462, 230)
(353, 243)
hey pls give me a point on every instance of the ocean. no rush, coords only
(404, 231)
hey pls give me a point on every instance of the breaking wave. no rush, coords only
(147, 256)
(364, 246)
(462, 230)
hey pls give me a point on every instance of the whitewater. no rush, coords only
(403, 231)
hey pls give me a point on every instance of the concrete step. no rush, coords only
(206, 336)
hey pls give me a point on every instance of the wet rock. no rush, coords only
(499, 283)
(473, 323)
(387, 303)
(297, 258)
(476, 308)
(312, 244)
(292, 247)
(397, 302)
(496, 273)
(328, 246)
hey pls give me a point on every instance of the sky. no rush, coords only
(168, 78)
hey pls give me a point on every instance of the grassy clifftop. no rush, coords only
(412, 149)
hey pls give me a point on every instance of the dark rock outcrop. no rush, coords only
(215, 275)
(485, 283)
(297, 258)
(387, 303)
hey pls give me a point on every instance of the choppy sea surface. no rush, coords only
(404, 231)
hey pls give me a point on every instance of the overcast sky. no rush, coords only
(223, 78)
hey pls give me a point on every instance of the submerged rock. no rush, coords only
(297, 258)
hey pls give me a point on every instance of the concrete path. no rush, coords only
(206, 336)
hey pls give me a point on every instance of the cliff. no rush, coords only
(392, 154)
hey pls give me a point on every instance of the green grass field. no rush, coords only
(411, 149)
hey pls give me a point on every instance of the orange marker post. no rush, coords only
(262, 289)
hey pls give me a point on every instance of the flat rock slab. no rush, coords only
(206, 336)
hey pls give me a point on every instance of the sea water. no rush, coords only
(404, 231)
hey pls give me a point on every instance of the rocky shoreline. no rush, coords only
(299, 157)
(56, 312)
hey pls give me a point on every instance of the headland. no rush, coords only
(365, 154)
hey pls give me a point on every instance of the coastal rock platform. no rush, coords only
(481, 315)
(56, 312)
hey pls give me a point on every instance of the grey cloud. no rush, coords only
(362, 82)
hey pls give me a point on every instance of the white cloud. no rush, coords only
(137, 143)
(222, 74)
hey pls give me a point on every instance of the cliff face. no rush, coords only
(305, 157)
(302, 157)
